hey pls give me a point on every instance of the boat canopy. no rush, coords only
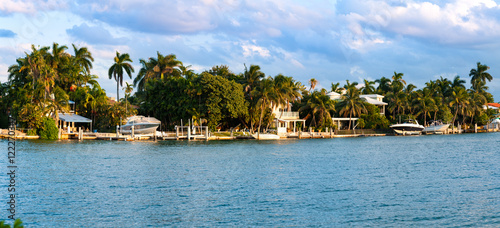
(74, 118)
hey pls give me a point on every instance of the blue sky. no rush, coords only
(331, 41)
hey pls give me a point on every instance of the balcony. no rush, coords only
(286, 115)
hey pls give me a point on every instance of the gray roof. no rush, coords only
(374, 102)
(70, 117)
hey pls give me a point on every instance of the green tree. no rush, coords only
(351, 104)
(121, 65)
(459, 100)
(318, 108)
(368, 87)
(479, 75)
(264, 94)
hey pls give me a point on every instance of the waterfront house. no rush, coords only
(374, 99)
(286, 120)
(66, 120)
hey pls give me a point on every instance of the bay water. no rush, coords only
(418, 181)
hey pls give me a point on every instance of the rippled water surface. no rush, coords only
(449, 180)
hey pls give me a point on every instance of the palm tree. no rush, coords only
(116, 70)
(476, 103)
(264, 94)
(128, 89)
(318, 105)
(459, 100)
(384, 85)
(313, 82)
(251, 77)
(479, 75)
(425, 103)
(159, 68)
(368, 87)
(397, 82)
(351, 104)
(336, 87)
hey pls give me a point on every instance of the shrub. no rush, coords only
(48, 129)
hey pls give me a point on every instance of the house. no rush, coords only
(66, 121)
(374, 99)
(286, 120)
(494, 106)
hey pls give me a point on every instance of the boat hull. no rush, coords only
(266, 136)
(139, 129)
(407, 129)
(436, 129)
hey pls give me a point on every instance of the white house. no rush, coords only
(285, 119)
(373, 99)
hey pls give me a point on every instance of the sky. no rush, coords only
(329, 40)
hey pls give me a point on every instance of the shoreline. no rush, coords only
(223, 136)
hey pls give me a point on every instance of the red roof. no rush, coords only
(494, 105)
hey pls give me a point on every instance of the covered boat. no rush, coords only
(436, 127)
(141, 125)
(410, 127)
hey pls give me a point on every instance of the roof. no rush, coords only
(496, 105)
(373, 101)
(70, 117)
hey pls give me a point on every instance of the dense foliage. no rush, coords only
(49, 129)
(41, 83)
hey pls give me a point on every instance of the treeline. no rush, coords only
(42, 82)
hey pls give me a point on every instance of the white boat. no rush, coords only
(265, 136)
(436, 127)
(141, 124)
(410, 127)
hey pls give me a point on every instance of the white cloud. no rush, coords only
(3, 72)
(252, 50)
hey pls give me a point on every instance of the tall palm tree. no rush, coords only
(459, 100)
(264, 94)
(479, 75)
(122, 63)
(351, 104)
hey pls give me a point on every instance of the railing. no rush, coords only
(287, 115)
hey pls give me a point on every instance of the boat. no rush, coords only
(265, 136)
(410, 127)
(141, 124)
(436, 127)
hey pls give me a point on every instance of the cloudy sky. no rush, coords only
(331, 41)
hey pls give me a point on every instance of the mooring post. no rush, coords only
(189, 133)
(176, 132)
(117, 131)
(133, 132)
(206, 133)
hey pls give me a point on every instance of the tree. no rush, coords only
(264, 94)
(351, 104)
(318, 105)
(312, 82)
(368, 87)
(479, 75)
(425, 103)
(251, 77)
(122, 63)
(128, 89)
(459, 100)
